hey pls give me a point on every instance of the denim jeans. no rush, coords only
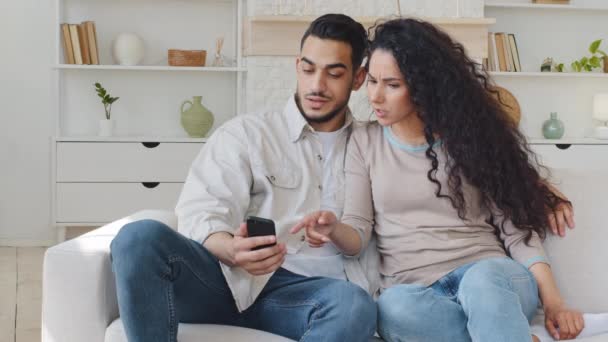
(489, 300)
(163, 278)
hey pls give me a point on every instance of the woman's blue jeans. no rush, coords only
(490, 300)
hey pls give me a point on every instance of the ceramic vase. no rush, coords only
(553, 128)
(196, 119)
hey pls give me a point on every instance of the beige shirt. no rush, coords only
(420, 237)
(268, 165)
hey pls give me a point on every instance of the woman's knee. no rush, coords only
(499, 281)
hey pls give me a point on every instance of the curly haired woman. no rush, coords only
(452, 191)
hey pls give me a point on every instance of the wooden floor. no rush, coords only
(20, 293)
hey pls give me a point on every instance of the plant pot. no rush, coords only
(605, 64)
(106, 128)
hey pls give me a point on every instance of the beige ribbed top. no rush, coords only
(420, 237)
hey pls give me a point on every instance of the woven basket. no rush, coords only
(187, 57)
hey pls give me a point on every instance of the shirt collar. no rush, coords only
(297, 124)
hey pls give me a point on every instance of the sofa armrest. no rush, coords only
(79, 294)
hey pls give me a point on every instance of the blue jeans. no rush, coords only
(489, 300)
(163, 278)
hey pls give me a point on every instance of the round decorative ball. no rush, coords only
(128, 49)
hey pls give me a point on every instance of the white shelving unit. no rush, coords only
(149, 68)
(532, 6)
(564, 33)
(99, 179)
(550, 74)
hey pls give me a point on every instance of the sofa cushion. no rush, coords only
(202, 332)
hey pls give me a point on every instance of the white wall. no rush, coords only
(271, 80)
(25, 124)
(26, 34)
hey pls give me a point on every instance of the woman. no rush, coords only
(446, 182)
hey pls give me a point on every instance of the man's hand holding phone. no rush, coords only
(264, 260)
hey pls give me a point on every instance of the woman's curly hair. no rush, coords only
(455, 99)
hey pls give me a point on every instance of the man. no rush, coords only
(279, 166)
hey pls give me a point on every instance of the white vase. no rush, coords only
(106, 128)
(128, 49)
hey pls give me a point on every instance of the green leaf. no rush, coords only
(113, 99)
(560, 67)
(588, 67)
(595, 62)
(584, 61)
(594, 46)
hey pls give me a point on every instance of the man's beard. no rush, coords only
(322, 119)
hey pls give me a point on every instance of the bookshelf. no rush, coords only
(526, 74)
(144, 164)
(564, 33)
(532, 6)
(149, 68)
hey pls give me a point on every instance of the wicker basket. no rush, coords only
(187, 57)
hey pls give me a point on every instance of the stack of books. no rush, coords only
(80, 43)
(503, 54)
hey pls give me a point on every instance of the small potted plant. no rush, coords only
(586, 63)
(106, 125)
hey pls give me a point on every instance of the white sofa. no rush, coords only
(79, 298)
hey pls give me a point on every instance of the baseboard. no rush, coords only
(26, 243)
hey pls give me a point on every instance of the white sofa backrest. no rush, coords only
(579, 261)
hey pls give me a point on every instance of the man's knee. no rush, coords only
(352, 306)
(136, 239)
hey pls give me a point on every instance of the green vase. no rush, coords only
(553, 128)
(196, 120)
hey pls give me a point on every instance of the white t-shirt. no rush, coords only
(324, 261)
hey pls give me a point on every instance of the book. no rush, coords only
(510, 66)
(500, 51)
(68, 52)
(75, 43)
(495, 52)
(92, 38)
(514, 52)
(84, 44)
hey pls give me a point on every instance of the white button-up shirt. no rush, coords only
(267, 165)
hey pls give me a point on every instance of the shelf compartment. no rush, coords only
(279, 35)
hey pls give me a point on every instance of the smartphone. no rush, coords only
(257, 226)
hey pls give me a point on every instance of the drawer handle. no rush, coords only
(150, 144)
(563, 146)
(150, 185)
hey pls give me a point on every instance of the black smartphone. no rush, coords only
(257, 226)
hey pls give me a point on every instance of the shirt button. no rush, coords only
(320, 187)
(319, 157)
(272, 178)
(302, 238)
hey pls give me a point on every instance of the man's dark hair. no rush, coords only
(341, 28)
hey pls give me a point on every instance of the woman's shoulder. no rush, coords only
(366, 131)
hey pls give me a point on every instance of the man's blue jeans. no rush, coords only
(490, 300)
(163, 278)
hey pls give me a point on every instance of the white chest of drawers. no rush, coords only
(96, 182)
